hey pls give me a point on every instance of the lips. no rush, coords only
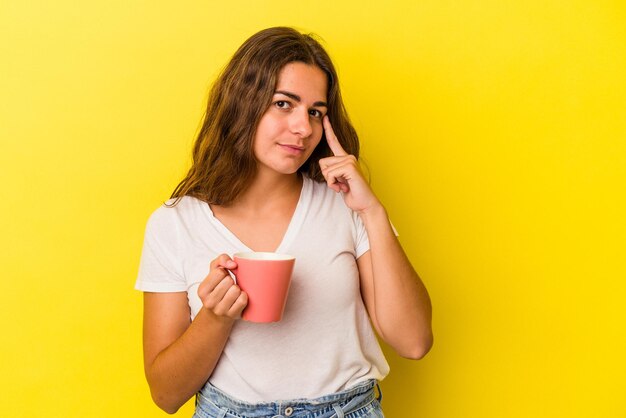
(292, 148)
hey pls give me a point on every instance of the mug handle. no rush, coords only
(233, 273)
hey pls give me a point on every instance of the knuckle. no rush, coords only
(223, 257)
(227, 281)
(230, 296)
(210, 300)
(201, 290)
(219, 260)
(217, 274)
(208, 303)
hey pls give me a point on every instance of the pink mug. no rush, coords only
(265, 277)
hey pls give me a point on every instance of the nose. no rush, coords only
(300, 124)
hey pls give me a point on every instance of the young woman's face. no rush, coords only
(291, 127)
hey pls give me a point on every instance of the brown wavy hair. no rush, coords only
(223, 158)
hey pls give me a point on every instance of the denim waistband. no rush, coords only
(212, 402)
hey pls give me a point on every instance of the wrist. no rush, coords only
(221, 321)
(372, 212)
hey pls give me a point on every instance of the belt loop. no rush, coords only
(338, 410)
(223, 412)
(380, 393)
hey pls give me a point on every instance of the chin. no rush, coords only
(283, 169)
(289, 171)
(290, 167)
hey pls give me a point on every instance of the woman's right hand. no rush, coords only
(219, 293)
(180, 355)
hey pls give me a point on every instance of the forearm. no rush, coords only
(402, 308)
(180, 370)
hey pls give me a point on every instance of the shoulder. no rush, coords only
(172, 213)
(327, 200)
(329, 214)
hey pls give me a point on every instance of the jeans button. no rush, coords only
(288, 411)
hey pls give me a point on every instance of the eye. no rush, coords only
(316, 113)
(282, 104)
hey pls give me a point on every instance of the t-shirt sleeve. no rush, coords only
(362, 243)
(160, 268)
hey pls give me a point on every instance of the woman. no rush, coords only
(275, 168)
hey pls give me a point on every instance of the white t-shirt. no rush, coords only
(324, 343)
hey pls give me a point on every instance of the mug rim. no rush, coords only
(263, 256)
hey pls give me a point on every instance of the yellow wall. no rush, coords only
(495, 133)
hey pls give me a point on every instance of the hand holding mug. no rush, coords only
(218, 291)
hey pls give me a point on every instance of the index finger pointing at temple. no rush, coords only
(332, 140)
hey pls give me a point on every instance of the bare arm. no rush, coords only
(394, 295)
(179, 355)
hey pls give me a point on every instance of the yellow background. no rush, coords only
(494, 132)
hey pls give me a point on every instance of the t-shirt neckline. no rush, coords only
(292, 229)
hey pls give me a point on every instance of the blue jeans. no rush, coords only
(358, 401)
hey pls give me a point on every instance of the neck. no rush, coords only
(270, 188)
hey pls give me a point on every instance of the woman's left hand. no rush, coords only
(343, 174)
(396, 299)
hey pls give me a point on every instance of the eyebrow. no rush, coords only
(298, 98)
